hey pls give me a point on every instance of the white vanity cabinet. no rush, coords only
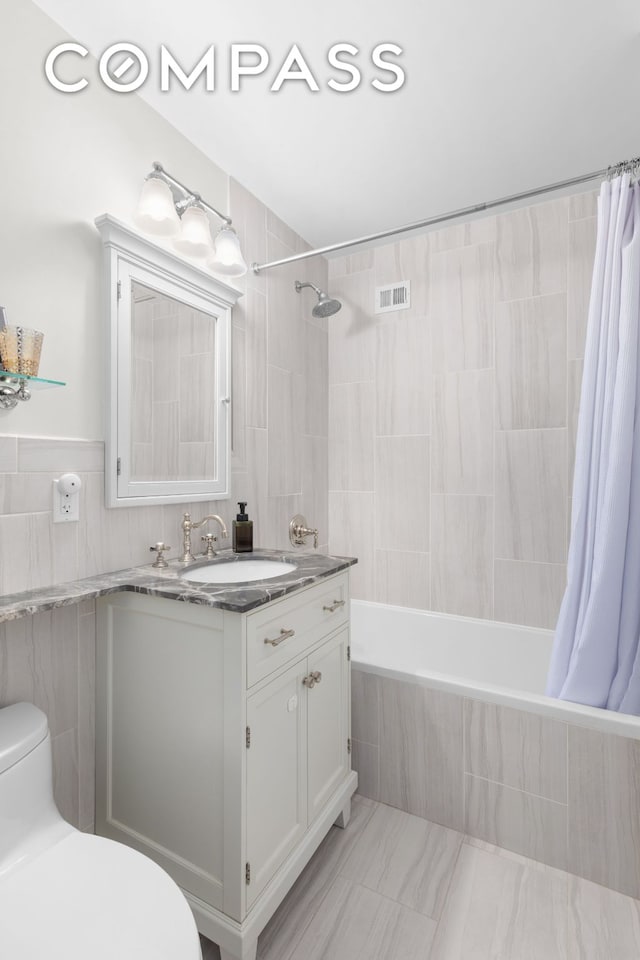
(222, 744)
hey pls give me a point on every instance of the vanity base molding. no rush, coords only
(239, 941)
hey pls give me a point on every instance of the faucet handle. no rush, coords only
(209, 539)
(160, 548)
(299, 531)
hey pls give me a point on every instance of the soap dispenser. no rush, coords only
(242, 531)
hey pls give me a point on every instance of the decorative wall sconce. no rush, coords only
(169, 209)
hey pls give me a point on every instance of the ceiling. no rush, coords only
(499, 97)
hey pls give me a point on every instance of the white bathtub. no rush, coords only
(480, 659)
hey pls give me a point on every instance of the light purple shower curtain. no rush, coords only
(596, 654)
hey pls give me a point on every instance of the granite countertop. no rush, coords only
(238, 597)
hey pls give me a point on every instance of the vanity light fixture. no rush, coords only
(167, 208)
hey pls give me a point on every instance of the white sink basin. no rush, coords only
(238, 571)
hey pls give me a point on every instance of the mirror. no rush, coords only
(169, 407)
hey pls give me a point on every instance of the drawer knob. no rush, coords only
(284, 635)
(310, 681)
(335, 606)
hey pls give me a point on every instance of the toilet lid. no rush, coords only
(91, 897)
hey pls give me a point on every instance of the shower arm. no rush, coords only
(609, 172)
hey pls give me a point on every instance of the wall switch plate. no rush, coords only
(66, 498)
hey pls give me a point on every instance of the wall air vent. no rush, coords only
(395, 296)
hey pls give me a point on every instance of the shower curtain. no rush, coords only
(596, 653)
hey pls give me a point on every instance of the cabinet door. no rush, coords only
(276, 775)
(328, 719)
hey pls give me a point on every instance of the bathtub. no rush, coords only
(450, 723)
(498, 662)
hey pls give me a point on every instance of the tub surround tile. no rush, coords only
(582, 250)
(351, 527)
(531, 495)
(604, 829)
(401, 503)
(603, 924)
(461, 557)
(462, 304)
(403, 376)
(316, 376)
(402, 578)
(356, 922)
(352, 333)
(315, 468)
(515, 748)
(365, 706)
(365, 760)
(582, 205)
(521, 822)
(404, 858)
(531, 251)
(531, 363)
(462, 443)
(420, 752)
(528, 593)
(352, 428)
(499, 908)
(479, 230)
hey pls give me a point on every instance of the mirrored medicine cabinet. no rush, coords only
(168, 381)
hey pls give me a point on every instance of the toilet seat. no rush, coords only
(90, 897)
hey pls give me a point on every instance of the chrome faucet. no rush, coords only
(188, 525)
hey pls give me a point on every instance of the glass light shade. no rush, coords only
(156, 211)
(227, 259)
(194, 238)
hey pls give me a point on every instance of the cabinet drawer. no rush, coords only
(276, 634)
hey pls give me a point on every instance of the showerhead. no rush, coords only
(326, 305)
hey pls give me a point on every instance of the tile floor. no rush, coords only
(395, 887)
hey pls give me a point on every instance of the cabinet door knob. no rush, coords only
(335, 606)
(310, 681)
(284, 635)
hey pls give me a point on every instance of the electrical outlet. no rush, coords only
(66, 498)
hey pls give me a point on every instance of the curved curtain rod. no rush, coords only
(618, 168)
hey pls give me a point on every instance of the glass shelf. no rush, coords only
(35, 383)
(15, 387)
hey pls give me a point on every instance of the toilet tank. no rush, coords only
(29, 819)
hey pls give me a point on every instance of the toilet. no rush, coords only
(67, 895)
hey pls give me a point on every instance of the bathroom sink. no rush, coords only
(238, 571)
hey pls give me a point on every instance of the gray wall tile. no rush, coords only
(366, 762)
(604, 830)
(403, 376)
(531, 363)
(461, 555)
(462, 307)
(365, 706)
(402, 578)
(531, 495)
(516, 748)
(462, 443)
(531, 251)
(421, 752)
(352, 428)
(401, 497)
(518, 821)
(528, 593)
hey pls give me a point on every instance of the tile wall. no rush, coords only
(553, 791)
(279, 465)
(452, 423)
